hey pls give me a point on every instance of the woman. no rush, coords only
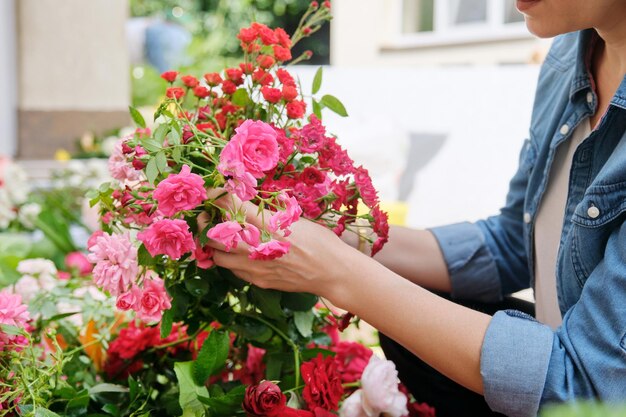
(561, 232)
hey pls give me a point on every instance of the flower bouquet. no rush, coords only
(245, 132)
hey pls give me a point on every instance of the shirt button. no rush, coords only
(589, 97)
(564, 129)
(527, 218)
(593, 212)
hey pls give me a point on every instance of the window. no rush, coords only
(451, 21)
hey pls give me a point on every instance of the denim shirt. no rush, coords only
(525, 364)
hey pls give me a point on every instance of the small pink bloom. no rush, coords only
(243, 186)
(120, 168)
(203, 255)
(78, 261)
(379, 384)
(168, 237)
(154, 300)
(183, 191)
(129, 300)
(251, 235)
(254, 146)
(12, 313)
(269, 250)
(226, 233)
(116, 261)
(282, 219)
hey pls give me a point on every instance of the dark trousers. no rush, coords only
(427, 385)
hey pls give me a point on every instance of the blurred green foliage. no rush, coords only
(584, 409)
(214, 25)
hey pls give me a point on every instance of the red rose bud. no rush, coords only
(289, 92)
(138, 165)
(315, 4)
(235, 75)
(213, 79)
(175, 92)
(264, 400)
(246, 67)
(265, 61)
(308, 53)
(326, 4)
(190, 81)
(282, 54)
(170, 76)
(345, 321)
(306, 30)
(201, 92)
(205, 127)
(273, 95)
(229, 87)
(126, 149)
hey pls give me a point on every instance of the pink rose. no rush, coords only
(243, 186)
(251, 235)
(12, 313)
(353, 406)
(116, 261)
(203, 255)
(183, 191)
(254, 368)
(154, 300)
(168, 237)
(129, 300)
(120, 168)
(254, 146)
(282, 219)
(351, 358)
(226, 233)
(78, 261)
(269, 250)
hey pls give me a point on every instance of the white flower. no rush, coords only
(379, 393)
(27, 287)
(7, 209)
(28, 213)
(108, 144)
(37, 266)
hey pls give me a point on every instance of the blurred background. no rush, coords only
(438, 92)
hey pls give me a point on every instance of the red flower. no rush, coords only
(213, 78)
(190, 81)
(312, 176)
(264, 400)
(262, 77)
(272, 95)
(201, 92)
(247, 67)
(267, 35)
(175, 92)
(284, 77)
(326, 4)
(265, 61)
(420, 410)
(296, 109)
(235, 75)
(247, 35)
(314, 5)
(169, 76)
(365, 186)
(322, 383)
(229, 87)
(289, 92)
(254, 368)
(282, 54)
(282, 38)
(351, 358)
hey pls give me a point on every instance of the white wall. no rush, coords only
(8, 79)
(483, 112)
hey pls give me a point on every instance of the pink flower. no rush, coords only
(116, 261)
(12, 313)
(183, 191)
(154, 300)
(269, 250)
(282, 219)
(203, 255)
(251, 235)
(242, 186)
(120, 168)
(254, 368)
(379, 393)
(78, 261)
(226, 233)
(254, 147)
(130, 299)
(365, 186)
(168, 237)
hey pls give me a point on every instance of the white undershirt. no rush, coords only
(548, 228)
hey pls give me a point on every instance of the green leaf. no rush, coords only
(160, 132)
(176, 155)
(189, 390)
(241, 97)
(299, 301)
(161, 161)
(212, 356)
(104, 387)
(151, 145)
(110, 408)
(152, 172)
(137, 117)
(226, 405)
(166, 323)
(317, 109)
(304, 322)
(174, 136)
(317, 81)
(334, 104)
(197, 286)
(253, 329)
(144, 257)
(43, 412)
(268, 301)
